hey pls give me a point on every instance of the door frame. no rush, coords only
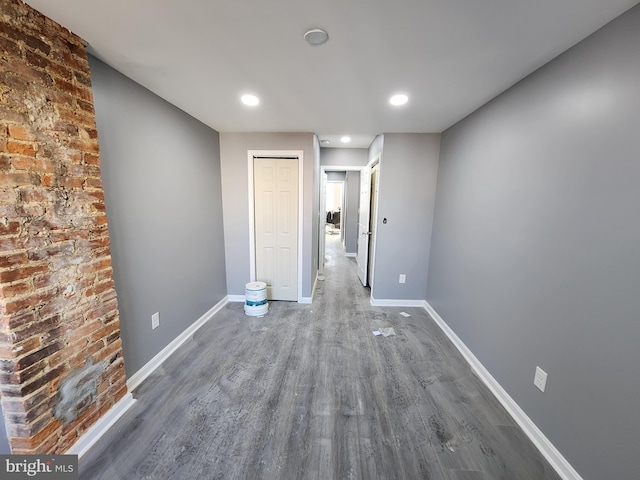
(373, 211)
(372, 239)
(322, 214)
(299, 154)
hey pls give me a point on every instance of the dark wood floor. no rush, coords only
(308, 392)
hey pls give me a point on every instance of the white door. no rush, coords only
(363, 225)
(276, 226)
(373, 219)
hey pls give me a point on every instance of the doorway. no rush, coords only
(348, 213)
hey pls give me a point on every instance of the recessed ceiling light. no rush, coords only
(316, 36)
(250, 100)
(345, 139)
(399, 99)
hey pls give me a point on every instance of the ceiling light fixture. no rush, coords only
(316, 36)
(399, 99)
(325, 142)
(250, 100)
(345, 139)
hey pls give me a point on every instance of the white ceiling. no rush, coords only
(449, 56)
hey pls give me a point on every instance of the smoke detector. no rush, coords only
(316, 36)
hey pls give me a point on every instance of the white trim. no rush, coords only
(390, 302)
(548, 450)
(98, 429)
(338, 168)
(350, 255)
(371, 269)
(236, 298)
(313, 288)
(252, 245)
(305, 300)
(138, 377)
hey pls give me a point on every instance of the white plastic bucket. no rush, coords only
(255, 294)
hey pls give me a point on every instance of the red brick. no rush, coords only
(10, 227)
(38, 355)
(60, 70)
(10, 291)
(86, 106)
(5, 162)
(78, 91)
(21, 273)
(36, 194)
(35, 59)
(13, 81)
(15, 321)
(38, 259)
(71, 182)
(17, 179)
(12, 114)
(65, 127)
(9, 47)
(43, 380)
(93, 183)
(63, 248)
(78, 64)
(91, 159)
(20, 148)
(20, 132)
(38, 328)
(83, 79)
(33, 164)
(30, 302)
(29, 40)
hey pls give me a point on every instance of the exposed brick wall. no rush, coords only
(58, 306)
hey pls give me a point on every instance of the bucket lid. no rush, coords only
(256, 286)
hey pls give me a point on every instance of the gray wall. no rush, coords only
(4, 441)
(536, 248)
(344, 157)
(339, 176)
(408, 172)
(235, 193)
(161, 175)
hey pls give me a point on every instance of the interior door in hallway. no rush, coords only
(276, 226)
(363, 224)
(373, 220)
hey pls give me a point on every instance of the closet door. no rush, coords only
(276, 226)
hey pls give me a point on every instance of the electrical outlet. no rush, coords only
(403, 278)
(155, 320)
(540, 380)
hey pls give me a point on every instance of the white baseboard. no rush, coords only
(305, 300)
(93, 434)
(236, 298)
(138, 377)
(389, 302)
(350, 254)
(548, 450)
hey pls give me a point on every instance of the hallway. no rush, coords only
(309, 392)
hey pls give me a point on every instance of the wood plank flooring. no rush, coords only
(308, 392)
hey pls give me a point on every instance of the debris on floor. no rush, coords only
(405, 314)
(385, 332)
